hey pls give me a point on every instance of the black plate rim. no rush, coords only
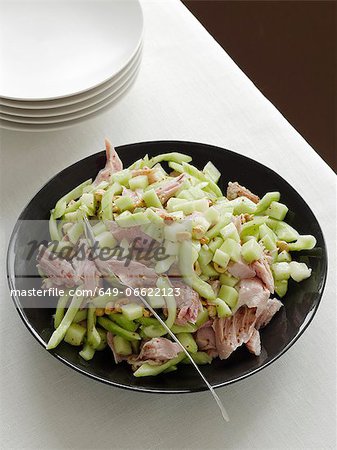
(305, 325)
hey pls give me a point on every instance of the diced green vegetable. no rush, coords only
(103, 343)
(151, 199)
(228, 280)
(281, 287)
(55, 234)
(107, 198)
(172, 157)
(188, 342)
(215, 243)
(277, 210)
(200, 358)
(124, 203)
(299, 271)
(75, 334)
(230, 295)
(60, 206)
(191, 170)
(242, 205)
(139, 182)
(284, 232)
(266, 200)
(132, 311)
(202, 318)
(87, 352)
(203, 288)
(284, 256)
(232, 248)
(80, 316)
(164, 265)
(251, 251)
(305, 242)
(75, 232)
(223, 310)
(93, 337)
(212, 172)
(230, 232)
(171, 304)
(88, 203)
(147, 369)
(61, 305)
(126, 220)
(122, 346)
(221, 258)
(187, 328)
(106, 240)
(268, 243)
(153, 331)
(221, 225)
(281, 270)
(123, 322)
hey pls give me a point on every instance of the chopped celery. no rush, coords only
(171, 369)
(135, 345)
(276, 210)
(75, 232)
(93, 337)
(98, 228)
(281, 287)
(171, 304)
(223, 222)
(165, 264)
(176, 167)
(228, 280)
(123, 322)
(266, 200)
(171, 248)
(251, 251)
(305, 242)
(200, 226)
(230, 232)
(205, 255)
(61, 305)
(212, 172)
(203, 288)
(55, 234)
(223, 310)
(122, 177)
(171, 157)
(264, 230)
(87, 352)
(202, 318)
(212, 215)
(221, 258)
(243, 205)
(208, 270)
(72, 195)
(215, 243)
(122, 346)
(88, 203)
(188, 342)
(281, 270)
(106, 240)
(151, 199)
(132, 220)
(189, 206)
(232, 248)
(103, 343)
(284, 256)
(187, 328)
(147, 321)
(139, 182)
(191, 170)
(75, 334)
(230, 295)
(66, 321)
(80, 316)
(268, 243)
(154, 217)
(73, 216)
(285, 232)
(156, 301)
(200, 358)
(124, 203)
(108, 325)
(107, 198)
(147, 369)
(252, 227)
(132, 311)
(299, 271)
(153, 331)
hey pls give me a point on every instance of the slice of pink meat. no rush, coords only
(59, 271)
(168, 189)
(263, 271)
(264, 317)
(159, 349)
(188, 303)
(241, 270)
(113, 164)
(254, 343)
(252, 293)
(233, 331)
(235, 190)
(205, 338)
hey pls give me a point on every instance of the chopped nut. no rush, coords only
(99, 194)
(146, 313)
(211, 310)
(109, 308)
(100, 312)
(204, 240)
(218, 268)
(282, 245)
(247, 217)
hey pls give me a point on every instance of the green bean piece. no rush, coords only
(146, 370)
(93, 337)
(61, 330)
(108, 325)
(61, 305)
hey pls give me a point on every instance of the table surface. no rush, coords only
(188, 89)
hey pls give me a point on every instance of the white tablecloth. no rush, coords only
(188, 89)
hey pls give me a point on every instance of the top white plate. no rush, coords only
(53, 48)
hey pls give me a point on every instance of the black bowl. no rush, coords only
(300, 303)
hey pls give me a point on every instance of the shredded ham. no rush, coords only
(235, 190)
(59, 271)
(113, 164)
(168, 189)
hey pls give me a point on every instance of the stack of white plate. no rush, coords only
(64, 61)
